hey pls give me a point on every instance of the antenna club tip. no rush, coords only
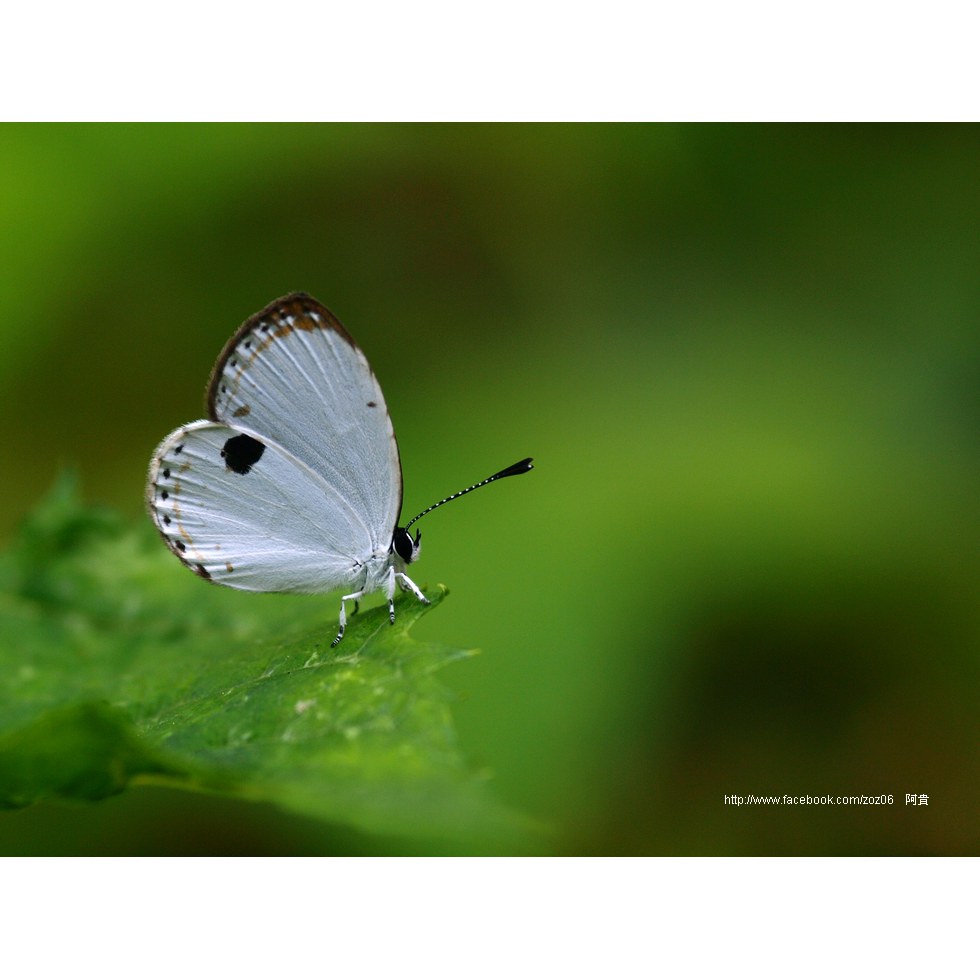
(522, 467)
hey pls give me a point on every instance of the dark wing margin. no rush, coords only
(295, 311)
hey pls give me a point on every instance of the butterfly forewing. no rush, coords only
(244, 512)
(293, 375)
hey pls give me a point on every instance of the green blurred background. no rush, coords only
(744, 358)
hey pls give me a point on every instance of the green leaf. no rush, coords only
(118, 665)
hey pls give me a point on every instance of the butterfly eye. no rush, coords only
(404, 546)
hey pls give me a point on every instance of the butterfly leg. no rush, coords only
(390, 592)
(409, 586)
(354, 596)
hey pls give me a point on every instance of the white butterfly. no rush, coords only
(294, 483)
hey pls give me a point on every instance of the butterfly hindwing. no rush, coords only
(294, 375)
(241, 511)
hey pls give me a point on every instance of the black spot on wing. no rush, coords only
(241, 453)
(372, 404)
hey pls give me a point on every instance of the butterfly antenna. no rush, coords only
(522, 467)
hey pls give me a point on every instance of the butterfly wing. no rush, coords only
(244, 512)
(294, 375)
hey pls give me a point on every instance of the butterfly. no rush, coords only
(293, 483)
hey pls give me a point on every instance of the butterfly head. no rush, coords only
(404, 546)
